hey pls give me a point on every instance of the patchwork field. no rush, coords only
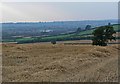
(59, 63)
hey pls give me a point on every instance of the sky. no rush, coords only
(59, 0)
(58, 11)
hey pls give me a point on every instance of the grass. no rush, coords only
(21, 39)
(63, 37)
(116, 27)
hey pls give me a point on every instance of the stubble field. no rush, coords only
(40, 62)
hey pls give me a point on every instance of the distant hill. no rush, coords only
(43, 29)
(82, 35)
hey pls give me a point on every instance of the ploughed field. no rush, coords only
(40, 62)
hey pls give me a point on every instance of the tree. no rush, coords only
(102, 35)
(109, 23)
(87, 27)
(78, 30)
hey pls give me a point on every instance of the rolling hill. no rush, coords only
(83, 35)
(41, 29)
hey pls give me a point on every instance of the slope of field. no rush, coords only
(9, 30)
(86, 34)
(59, 63)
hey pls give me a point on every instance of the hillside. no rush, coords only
(12, 31)
(59, 63)
(83, 35)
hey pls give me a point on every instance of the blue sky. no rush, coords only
(58, 11)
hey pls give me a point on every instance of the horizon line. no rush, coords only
(53, 21)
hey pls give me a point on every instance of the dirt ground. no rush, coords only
(59, 63)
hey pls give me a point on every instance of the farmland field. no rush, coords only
(86, 35)
(39, 62)
(59, 42)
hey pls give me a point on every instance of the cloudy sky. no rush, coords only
(58, 11)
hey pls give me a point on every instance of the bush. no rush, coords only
(53, 42)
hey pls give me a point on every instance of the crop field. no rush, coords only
(44, 62)
(83, 35)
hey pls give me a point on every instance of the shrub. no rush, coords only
(53, 42)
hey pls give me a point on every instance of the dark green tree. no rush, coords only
(78, 30)
(102, 35)
(87, 27)
(109, 24)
